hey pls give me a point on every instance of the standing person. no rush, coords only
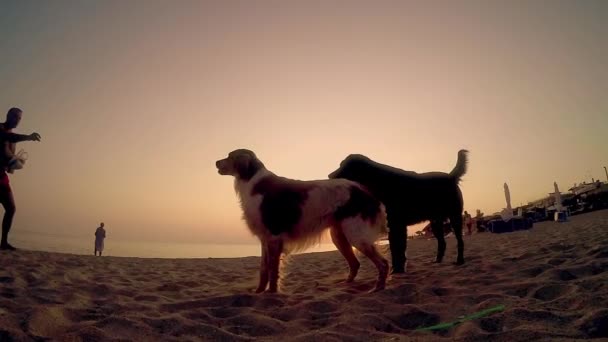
(8, 141)
(100, 235)
(468, 221)
(479, 222)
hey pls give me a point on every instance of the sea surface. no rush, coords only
(144, 249)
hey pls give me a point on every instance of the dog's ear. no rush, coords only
(334, 174)
(356, 157)
(247, 166)
(344, 164)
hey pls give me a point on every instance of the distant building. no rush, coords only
(585, 187)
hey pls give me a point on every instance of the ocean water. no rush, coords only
(80, 245)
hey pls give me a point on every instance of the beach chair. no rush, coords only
(514, 224)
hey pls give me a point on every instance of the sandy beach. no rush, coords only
(552, 281)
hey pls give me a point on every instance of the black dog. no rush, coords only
(411, 198)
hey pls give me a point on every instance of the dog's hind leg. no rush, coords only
(345, 248)
(363, 235)
(456, 222)
(263, 282)
(437, 228)
(371, 252)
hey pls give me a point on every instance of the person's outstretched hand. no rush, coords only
(35, 137)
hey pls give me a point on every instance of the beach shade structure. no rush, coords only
(558, 197)
(509, 223)
(521, 223)
(507, 213)
(500, 226)
(514, 224)
(560, 214)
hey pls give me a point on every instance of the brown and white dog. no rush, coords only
(288, 215)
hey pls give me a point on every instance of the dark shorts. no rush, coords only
(4, 178)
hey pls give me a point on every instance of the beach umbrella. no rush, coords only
(507, 213)
(508, 196)
(558, 198)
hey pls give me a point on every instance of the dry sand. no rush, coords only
(552, 280)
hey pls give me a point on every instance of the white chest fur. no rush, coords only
(250, 203)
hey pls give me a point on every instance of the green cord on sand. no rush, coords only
(479, 314)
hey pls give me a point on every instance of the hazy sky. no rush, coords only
(136, 100)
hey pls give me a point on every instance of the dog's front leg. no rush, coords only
(275, 248)
(263, 269)
(437, 228)
(397, 238)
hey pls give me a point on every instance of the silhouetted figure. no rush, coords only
(100, 235)
(479, 222)
(8, 140)
(468, 221)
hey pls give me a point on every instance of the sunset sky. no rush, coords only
(136, 100)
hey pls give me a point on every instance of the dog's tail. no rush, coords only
(461, 165)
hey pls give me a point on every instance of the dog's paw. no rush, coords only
(459, 262)
(402, 275)
(377, 288)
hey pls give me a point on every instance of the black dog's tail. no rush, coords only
(461, 165)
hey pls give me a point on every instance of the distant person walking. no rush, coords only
(8, 163)
(100, 235)
(468, 221)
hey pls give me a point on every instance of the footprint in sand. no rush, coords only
(556, 261)
(211, 333)
(564, 275)
(540, 316)
(560, 247)
(269, 303)
(595, 324)
(124, 327)
(533, 271)
(492, 324)
(147, 298)
(598, 252)
(6, 280)
(519, 290)
(551, 292)
(162, 325)
(371, 322)
(254, 325)
(8, 293)
(415, 318)
(320, 306)
(440, 291)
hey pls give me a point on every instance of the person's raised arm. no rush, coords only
(15, 138)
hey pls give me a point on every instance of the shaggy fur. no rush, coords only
(411, 198)
(288, 215)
